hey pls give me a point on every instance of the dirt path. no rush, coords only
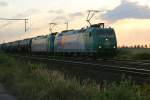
(4, 94)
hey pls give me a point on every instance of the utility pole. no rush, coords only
(25, 24)
(25, 20)
(67, 25)
(51, 27)
(91, 14)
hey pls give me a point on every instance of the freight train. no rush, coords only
(95, 41)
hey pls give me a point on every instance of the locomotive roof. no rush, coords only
(87, 29)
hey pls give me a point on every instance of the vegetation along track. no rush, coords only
(130, 68)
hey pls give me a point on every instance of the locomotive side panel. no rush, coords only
(70, 42)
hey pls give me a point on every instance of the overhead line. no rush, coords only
(17, 19)
(12, 19)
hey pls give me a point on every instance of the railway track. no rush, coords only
(97, 67)
(141, 63)
(138, 64)
(98, 64)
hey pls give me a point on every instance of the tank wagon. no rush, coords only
(5, 47)
(25, 46)
(10, 47)
(0, 46)
(14, 46)
(95, 40)
(43, 44)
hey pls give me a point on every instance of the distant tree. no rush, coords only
(126, 46)
(146, 46)
(123, 46)
(130, 46)
(135, 46)
(138, 46)
(142, 46)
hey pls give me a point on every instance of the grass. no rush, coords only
(133, 56)
(29, 81)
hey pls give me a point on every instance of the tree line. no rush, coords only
(134, 46)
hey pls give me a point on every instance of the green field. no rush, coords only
(133, 53)
(28, 81)
(136, 50)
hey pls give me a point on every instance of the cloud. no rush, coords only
(127, 10)
(67, 17)
(2, 3)
(58, 11)
(25, 14)
(76, 14)
(6, 24)
(60, 19)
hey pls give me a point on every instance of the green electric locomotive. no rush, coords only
(95, 40)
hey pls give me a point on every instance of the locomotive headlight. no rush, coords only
(106, 39)
(100, 47)
(114, 46)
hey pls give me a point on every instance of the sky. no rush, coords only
(129, 18)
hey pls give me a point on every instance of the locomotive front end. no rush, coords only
(104, 40)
